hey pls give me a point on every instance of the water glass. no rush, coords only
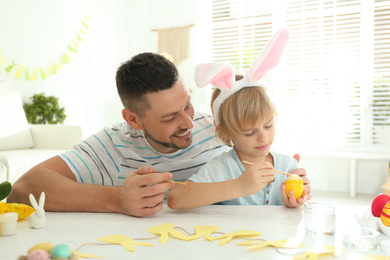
(320, 218)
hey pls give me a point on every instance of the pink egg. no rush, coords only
(38, 255)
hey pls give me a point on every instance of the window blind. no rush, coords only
(332, 88)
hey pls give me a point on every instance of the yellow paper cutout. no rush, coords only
(276, 243)
(47, 72)
(2, 60)
(19, 71)
(81, 31)
(314, 253)
(85, 255)
(124, 241)
(229, 236)
(376, 257)
(75, 43)
(58, 65)
(34, 74)
(164, 231)
(205, 231)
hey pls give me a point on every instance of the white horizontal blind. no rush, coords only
(332, 88)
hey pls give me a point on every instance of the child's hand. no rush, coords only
(290, 201)
(256, 177)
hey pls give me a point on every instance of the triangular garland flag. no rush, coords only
(2, 60)
(43, 77)
(276, 243)
(124, 241)
(85, 25)
(229, 236)
(46, 71)
(164, 231)
(205, 231)
(58, 65)
(27, 75)
(10, 67)
(72, 49)
(314, 253)
(75, 43)
(34, 74)
(19, 71)
(85, 255)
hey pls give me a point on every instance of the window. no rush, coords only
(332, 88)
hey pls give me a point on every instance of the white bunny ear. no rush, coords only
(33, 201)
(220, 75)
(269, 57)
(42, 199)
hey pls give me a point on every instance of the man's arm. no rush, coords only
(136, 197)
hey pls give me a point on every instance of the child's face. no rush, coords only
(254, 142)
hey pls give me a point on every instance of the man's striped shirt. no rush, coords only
(107, 157)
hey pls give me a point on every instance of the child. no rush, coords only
(245, 119)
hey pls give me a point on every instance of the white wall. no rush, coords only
(36, 32)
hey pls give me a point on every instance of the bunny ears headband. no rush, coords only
(222, 75)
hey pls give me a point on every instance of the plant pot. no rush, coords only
(386, 187)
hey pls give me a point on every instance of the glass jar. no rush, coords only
(320, 218)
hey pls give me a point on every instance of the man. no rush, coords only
(161, 131)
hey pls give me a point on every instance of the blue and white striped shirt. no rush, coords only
(107, 157)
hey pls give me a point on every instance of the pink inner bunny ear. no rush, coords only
(220, 75)
(269, 57)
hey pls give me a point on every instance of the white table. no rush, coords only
(274, 222)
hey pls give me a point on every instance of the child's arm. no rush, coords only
(198, 194)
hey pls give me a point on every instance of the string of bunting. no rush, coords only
(166, 231)
(32, 74)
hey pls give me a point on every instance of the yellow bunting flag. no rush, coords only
(315, 253)
(81, 31)
(124, 241)
(205, 231)
(276, 243)
(242, 233)
(75, 43)
(165, 231)
(58, 65)
(19, 71)
(47, 72)
(2, 60)
(34, 74)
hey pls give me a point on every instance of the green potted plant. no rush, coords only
(44, 110)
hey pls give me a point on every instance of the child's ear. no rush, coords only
(132, 119)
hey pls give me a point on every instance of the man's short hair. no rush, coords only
(142, 74)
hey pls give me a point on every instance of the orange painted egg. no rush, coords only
(385, 215)
(295, 183)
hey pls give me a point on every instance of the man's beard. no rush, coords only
(168, 145)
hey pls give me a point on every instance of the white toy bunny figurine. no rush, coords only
(37, 218)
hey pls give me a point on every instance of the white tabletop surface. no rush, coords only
(274, 222)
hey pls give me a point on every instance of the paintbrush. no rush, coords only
(285, 173)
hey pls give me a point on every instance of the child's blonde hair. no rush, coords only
(241, 109)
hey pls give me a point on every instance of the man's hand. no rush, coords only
(306, 195)
(142, 195)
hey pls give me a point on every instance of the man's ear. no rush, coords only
(132, 119)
